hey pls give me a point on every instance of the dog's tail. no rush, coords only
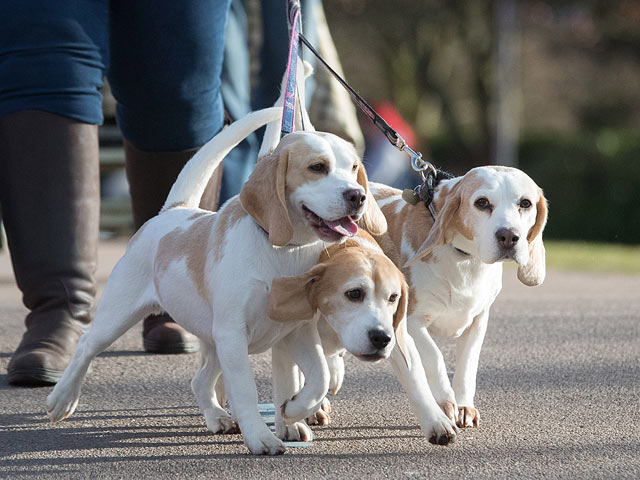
(189, 187)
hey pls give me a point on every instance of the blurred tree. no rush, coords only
(436, 58)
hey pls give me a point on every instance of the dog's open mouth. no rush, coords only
(331, 230)
(370, 357)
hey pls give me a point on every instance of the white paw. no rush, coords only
(297, 432)
(263, 442)
(442, 430)
(450, 409)
(321, 417)
(468, 417)
(62, 402)
(295, 409)
(221, 424)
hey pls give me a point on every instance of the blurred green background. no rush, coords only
(550, 87)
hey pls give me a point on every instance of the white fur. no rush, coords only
(347, 330)
(453, 292)
(229, 317)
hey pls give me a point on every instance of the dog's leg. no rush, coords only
(286, 382)
(335, 362)
(122, 305)
(435, 368)
(334, 354)
(305, 346)
(468, 347)
(204, 387)
(336, 372)
(233, 354)
(436, 426)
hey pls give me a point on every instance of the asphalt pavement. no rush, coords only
(558, 393)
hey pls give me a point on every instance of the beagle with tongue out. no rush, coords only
(212, 272)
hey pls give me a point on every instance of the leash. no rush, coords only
(430, 175)
(289, 107)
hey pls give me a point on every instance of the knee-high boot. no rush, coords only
(49, 190)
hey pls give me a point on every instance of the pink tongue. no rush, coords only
(344, 226)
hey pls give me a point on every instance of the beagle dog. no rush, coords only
(212, 272)
(359, 298)
(453, 266)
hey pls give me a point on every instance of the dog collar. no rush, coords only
(425, 192)
(266, 233)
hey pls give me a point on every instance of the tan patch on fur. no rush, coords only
(382, 193)
(229, 216)
(413, 222)
(346, 263)
(192, 244)
(198, 214)
(263, 197)
(334, 248)
(301, 156)
(467, 186)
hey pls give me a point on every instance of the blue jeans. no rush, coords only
(163, 59)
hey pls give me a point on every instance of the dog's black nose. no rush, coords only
(379, 338)
(507, 238)
(355, 198)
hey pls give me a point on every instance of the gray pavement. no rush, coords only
(558, 392)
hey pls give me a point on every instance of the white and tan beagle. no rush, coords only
(212, 272)
(359, 298)
(454, 266)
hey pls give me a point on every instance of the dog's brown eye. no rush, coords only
(525, 203)
(393, 298)
(355, 167)
(482, 204)
(355, 295)
(318, 167)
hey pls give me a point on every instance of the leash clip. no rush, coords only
(419, 164)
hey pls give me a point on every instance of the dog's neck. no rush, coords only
(294, 243)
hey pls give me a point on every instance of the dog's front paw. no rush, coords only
(222, 424)
(295, 410)
(468, 417)
(442, 431)
(297, 432)
(449, 409)
(263, 442)
(321, 417)
(62, 402)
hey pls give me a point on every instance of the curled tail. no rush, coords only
(189, 187)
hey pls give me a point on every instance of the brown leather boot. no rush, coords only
(151, 175)
(49, 190)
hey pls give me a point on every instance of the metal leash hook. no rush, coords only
(424, 191)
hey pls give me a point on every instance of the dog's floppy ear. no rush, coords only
(400, 323)
(534, 271)
(290, 297)
(441, 232)
(373, 219)
(263, 197)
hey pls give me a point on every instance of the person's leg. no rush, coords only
(236, 95)
(166, 59)
(275, 50)
(50, 71)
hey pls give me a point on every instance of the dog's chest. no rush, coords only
(449, 297)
